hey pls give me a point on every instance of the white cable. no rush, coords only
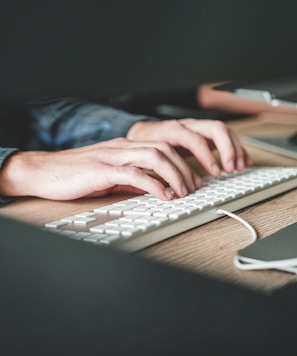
(254, 264)
(241, 220)
(250, 264)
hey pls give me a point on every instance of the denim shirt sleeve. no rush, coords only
(72, 122)
(4, 154)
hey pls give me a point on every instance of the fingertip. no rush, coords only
(240, 164)
(184, 191)
(168, 193)
(180, 193)
(215, 170)
(229, 166)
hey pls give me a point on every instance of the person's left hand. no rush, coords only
(199, 138)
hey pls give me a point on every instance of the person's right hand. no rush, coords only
(97, 170)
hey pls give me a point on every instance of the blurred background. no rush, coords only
(109, 47)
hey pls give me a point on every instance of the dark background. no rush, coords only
(98, 47)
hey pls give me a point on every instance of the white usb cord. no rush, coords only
(241, 220)
(251, 264)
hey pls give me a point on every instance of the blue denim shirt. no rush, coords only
(73, 122)
(64, 123)
(4, 154)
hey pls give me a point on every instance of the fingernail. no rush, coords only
(230, 166)
(240, 164)
(185, 191)
(192, 186)
(168, 193)
(215, 169)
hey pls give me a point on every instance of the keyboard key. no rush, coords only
(84, 221)
(55, 224)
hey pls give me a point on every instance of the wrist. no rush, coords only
(13, 176)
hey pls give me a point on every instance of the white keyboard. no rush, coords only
(141, 221)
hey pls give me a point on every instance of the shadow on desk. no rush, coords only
(65, 297)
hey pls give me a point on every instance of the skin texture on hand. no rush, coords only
(97, 170)
(199, 138)
(148, 160)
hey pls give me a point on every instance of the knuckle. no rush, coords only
(153, 152)
(165, 147)
(219, 125)
(173, 124)
(135, 171)
(200, 139)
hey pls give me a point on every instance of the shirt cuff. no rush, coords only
(4, 154)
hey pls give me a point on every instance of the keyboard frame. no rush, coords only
(187, 223)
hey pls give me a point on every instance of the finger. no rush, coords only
(102, 179)
(242, 159)
(232, 154)
(157, 156)
(153, 159)
(190, 177)
(125, 177)
(195, 143)
(227, 146)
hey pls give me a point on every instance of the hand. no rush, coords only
(97, 170)
(199, 138)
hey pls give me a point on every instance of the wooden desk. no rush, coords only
(208, 249)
